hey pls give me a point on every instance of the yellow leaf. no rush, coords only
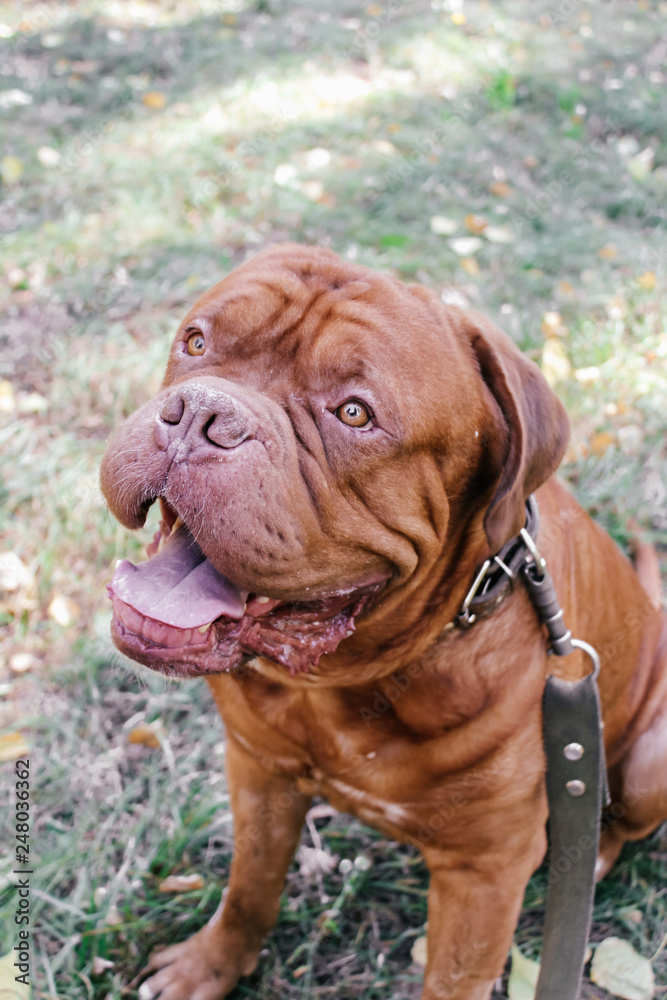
(552, 325)
(150, 734)
(600, 442)
(622, 971)
(7, 398)
(13, 746)
(523, 977)
(419, 951)
(181, 883)
(608, 251)
(500, 189)
(555, 362)
(394, 127)
(475, 223)
(565, 288)
(470, 266)
(9, 988)
(11, 169)
(374, 10)
(154, 100)
(647, 281)
(229, 18)
(458, 17)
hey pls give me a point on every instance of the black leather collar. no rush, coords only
(495, 579)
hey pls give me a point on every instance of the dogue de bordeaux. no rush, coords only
(335, 454)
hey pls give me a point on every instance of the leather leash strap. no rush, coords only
(576, 791)
(576, 777)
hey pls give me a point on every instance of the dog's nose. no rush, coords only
(198, 415)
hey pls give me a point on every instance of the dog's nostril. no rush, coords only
(172, 411)
(226, 433)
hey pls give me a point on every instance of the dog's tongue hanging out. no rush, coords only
(176, 609)
(179, 586)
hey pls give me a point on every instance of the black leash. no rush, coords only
(576, 777)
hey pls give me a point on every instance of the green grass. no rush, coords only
(352, 128)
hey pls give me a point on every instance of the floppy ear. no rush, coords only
(537, 428)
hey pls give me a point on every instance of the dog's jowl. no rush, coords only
(335, 455)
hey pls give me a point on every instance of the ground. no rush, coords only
(512, 156)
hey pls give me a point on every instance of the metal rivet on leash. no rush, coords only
(576, 788)
(573, 751)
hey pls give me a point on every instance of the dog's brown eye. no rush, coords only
(353, 413)
(196, 343)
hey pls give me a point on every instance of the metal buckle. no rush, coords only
(529, 542)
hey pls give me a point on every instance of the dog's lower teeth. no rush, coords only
(262, 600)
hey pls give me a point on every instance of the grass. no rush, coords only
(148, 148)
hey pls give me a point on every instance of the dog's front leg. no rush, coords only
(268, 815)
(473, 908)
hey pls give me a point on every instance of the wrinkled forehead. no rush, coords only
(326, 323)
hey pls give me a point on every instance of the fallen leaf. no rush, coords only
(555, 362)
(20, 662)
(500, 189)
(181, 883)
(394, 127)
(587, 375)
(647, 281)
(608, 251)
(374, 10)
(7, 397)
(154, 100)
(639, 166)
(553, 326)
(470, 266)
(523, 977)
(11, 169)
(315, 861)
(565, 288)
(13, 746)
(9, 988)
(14, 574)
(622, 971)
(100, 965)
(475, 223)
(499, 234)
(530, 161)
(464, 246)
(601, 442)
(418, 952)
(52, 39)
(63, 610)
(458, 17)
(301, 971)
(443, 226)
(313, 190)
(151, 734)
(48, 156)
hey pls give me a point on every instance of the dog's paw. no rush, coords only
(196, 969)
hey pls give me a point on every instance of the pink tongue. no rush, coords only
(178, 586)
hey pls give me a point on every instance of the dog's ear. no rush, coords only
(536, 431)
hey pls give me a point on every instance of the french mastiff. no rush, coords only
(335, 455)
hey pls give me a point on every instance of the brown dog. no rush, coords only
(347, 451)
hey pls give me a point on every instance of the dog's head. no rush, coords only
(328, 444)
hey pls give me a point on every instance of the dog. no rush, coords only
(335, 454)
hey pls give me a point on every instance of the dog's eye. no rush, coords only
(353, 413)
(196, 343)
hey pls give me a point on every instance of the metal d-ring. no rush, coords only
(593, 653)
